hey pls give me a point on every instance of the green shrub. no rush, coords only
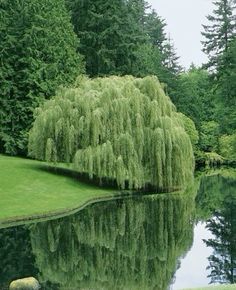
(227, 144)
(212, 158)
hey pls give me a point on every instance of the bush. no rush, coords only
(227, 144)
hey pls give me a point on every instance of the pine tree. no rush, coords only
(157, 56)
(228, 73)
(148, 61)
(219, 45)
(109, 32)
(155, 28)
(38, 53)
(170, 58)
(226, 92)
(172, 69)
(220, 31)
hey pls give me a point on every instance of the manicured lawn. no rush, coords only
(220, 287)
(27, 189)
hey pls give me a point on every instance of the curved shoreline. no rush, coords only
(51, 215)
(30, 194)
(22, 220)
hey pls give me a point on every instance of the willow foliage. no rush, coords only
(120, 129)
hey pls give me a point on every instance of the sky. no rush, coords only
(184, 19)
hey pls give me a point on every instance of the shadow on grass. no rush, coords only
(103, 183)
(75, 175)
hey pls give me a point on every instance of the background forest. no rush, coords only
(48, 44)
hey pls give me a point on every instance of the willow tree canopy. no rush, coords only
(120, 129)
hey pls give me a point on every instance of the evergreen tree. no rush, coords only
(220, 31)
(172, 69)
(110, 33)
(149, 57)
(155, 28)
(171, 59)
(148, 61)
(226, 92)
(220, 47)
(38, 53)
(159, 56)
(228, 74)
(123, 37)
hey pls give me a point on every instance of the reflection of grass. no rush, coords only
(219, 287)
(227, 172)
(26, 189)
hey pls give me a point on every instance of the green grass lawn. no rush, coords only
(220, 287)
(26, 189)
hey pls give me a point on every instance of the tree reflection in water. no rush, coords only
(16, 258)
(133, 243)
(222, 262)
(123, 244)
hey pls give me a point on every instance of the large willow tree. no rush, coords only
(119, 129)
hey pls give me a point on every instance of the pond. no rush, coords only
(169, 241)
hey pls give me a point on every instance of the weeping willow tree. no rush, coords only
(124, 244)
(120, 129)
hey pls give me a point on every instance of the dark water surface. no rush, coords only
(149, 242)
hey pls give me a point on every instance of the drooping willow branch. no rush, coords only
(117, 128)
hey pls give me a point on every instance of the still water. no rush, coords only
(170, 241)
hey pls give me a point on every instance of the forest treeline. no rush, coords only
(48, 44)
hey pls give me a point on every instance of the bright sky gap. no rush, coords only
(184, 20)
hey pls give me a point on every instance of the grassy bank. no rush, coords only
(27, 189)
(219, 287)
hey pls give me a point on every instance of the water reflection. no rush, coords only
(215, 216)
(133, 243)
(124, 244)
(222, 262)
(16, 258)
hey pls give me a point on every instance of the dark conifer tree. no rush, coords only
(155, 28)
(220, 31)
(171, 60)
(219, 45)
(110, 33)
(38, 53)
(158, 57)
(226, 92)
